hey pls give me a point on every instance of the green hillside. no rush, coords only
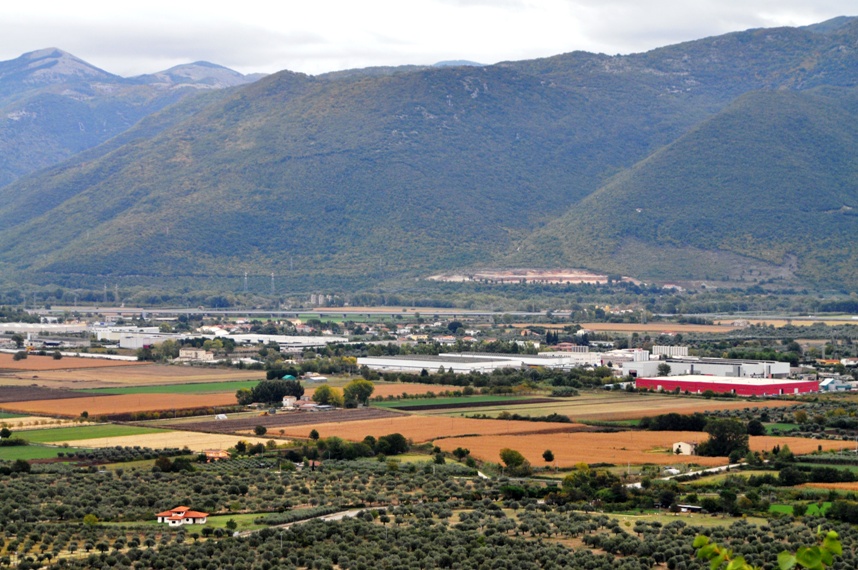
(406, 172)
(771, 184)
(727, 157)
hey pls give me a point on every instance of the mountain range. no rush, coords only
(728, 158)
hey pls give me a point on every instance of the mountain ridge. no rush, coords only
(54, 105)
(392, 173)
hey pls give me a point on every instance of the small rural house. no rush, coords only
(685, 448)
(290, 402)
(182, 515)
(215, 455)
(195, 354)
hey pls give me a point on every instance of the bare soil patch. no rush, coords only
(38, 422)
(853, 486)
(37, 363)
(426, 428)
(26, 393)
(193, 440)
(287, 419)
(620, 448)
(101, 405)
(148, 375)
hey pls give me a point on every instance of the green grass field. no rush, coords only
(244, 521)
(852, 468)
(9, 416)
(613, 423)
(780, 427)
(195, 388)
(33, 452)
(812, 509)
(719, 478)
(447, 401)
(688, 518)
(82, 432)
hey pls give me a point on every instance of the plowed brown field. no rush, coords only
(636, 447)
(105, 405)
(422, 428)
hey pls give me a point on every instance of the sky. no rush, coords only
(130, 37)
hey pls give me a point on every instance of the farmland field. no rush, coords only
(25, 393)
(386, 389)
(125, 403)
(117, 376)
(658, 327)
(36, 422)
(426, 428)
(33, 452)
(195, 388)
(39, 363)
(460, 402)
(607, 406)
(167, 438)
(853, 486)
(282, 420)
(618, 448)
(83, 432)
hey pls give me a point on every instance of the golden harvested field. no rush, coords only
(424, 428)
(399, 388)
(606, 406)
(194, 440)
(38, 422)
(636, 447)
(853, 486)
(147, 375)
(37, 363)
(105, 405)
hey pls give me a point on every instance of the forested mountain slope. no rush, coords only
(717, 156)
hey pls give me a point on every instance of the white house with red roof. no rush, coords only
(182, 515)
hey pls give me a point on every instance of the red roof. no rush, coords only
(180, 513)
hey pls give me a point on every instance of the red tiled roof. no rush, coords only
(180, 513)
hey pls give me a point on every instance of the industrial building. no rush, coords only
(709, 366)
(697, 384)
(417, 363)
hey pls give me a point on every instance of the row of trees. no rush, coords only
(271, 392)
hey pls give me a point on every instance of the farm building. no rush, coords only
(727, 385)
(685, 448)
(835, 385)
(182, 515)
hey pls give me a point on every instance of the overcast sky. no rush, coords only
(128, 37)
